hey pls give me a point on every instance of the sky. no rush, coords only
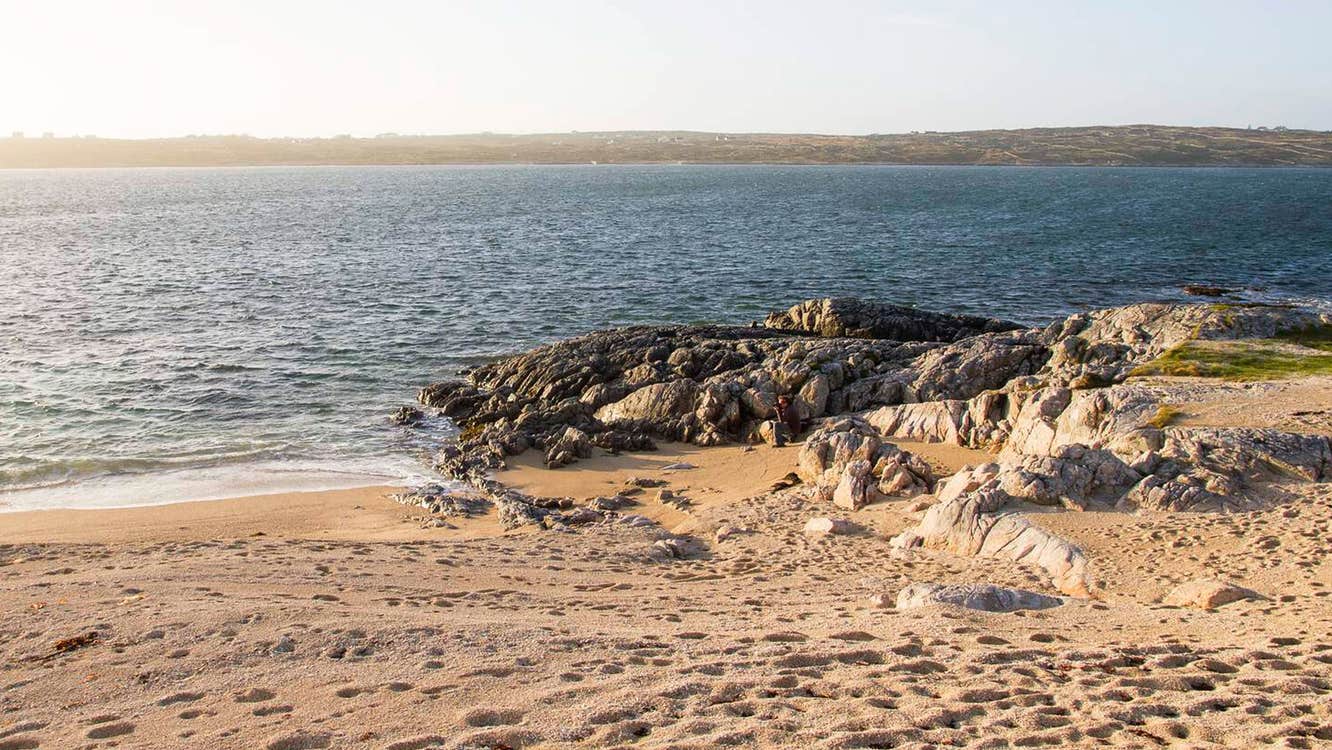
(140, 68)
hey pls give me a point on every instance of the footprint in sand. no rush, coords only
(301, 741)
(485, 717)
(184, 697)
(114, 729)
(255, 695)
(350, 692)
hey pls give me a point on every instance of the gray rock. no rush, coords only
(668, 549)
(442, 501)
(847, 462)
(967, 521)
(516, 511)
(853, 489)
(985, 597)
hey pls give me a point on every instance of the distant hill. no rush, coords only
(1129, 145)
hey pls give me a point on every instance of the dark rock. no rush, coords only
(406, 416)
(569, 446)
(1203, 290)
(854, 318)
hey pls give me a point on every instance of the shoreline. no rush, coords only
(192, 485)
(348, 513)
(721, 475)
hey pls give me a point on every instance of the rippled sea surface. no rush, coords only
(186, 333)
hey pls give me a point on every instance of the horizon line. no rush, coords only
(19, 134)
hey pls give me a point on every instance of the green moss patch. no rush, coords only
(1165, 414)
(1294, 354)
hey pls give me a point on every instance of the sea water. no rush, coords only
(172, 334)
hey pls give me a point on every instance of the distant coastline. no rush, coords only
(1128, 145)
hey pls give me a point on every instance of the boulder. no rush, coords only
(514, 512)
(1208, 593)
(825, 526)
(659, 402)
(570, 445)
(971, 523)
(668, 549)
(847, 462)
(406, 416)
(985, 597)
(853, 489)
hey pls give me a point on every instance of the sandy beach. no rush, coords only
(334, 619)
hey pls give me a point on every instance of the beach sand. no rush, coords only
(340, 620)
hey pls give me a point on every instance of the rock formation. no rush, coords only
(847, 317)
(1051, 403)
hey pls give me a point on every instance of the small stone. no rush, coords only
(285, 645)
(827, 526)
(881, 601)
(726, 532)
(667, 549)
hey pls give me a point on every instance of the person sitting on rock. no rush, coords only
(788, 415)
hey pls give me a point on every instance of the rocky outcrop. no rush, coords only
(708, 385)
(441, 501)
(1050, 402)
(406, 416)
(1075, 447)
(568, 446)
(850, 465)
(847, 317)
(968, 520)
(1102, 347)
(985, 597)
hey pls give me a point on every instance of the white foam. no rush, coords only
(209, 483)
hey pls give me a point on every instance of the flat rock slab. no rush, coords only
(985, 597)
(1208, 593)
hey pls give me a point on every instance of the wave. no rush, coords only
(64, 471)
(182, 482)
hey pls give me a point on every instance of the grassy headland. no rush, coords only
(1130, 145)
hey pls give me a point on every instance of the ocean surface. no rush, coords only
(171, 334)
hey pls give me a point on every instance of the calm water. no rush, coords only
(173, 334)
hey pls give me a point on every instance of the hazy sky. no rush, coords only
(137, 68)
